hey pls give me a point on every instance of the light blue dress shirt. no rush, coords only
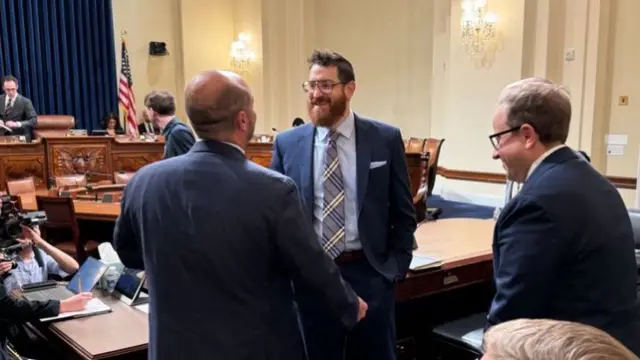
(346, 144)
(30, 272)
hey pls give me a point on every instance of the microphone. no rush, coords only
(274, 130)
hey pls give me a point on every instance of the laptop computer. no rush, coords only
(130, 287)
(83, 281)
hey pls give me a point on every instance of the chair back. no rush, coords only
(21, 186)
(634, 215)
(61, 214)
(433, 147)
(70, 180)
(122, 177)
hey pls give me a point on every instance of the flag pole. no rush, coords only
(123, 121)
(125, 124)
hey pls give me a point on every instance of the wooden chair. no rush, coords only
(70, 180)
(420, 198)
(21, 186)
(122, 177)
(433, 147)
(414, 145)
(61, 214)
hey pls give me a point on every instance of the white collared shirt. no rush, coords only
(7, 99)
(542, 157)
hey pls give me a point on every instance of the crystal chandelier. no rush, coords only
(241, 55)
(478, 28)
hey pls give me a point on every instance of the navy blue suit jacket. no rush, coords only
(386, 218)
(221, 239)
(563, 249)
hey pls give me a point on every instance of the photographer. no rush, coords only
(14, 312)
(36, 262)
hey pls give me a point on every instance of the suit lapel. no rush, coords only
(363, 157)
(304, 157)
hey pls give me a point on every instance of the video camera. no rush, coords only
(11, 222)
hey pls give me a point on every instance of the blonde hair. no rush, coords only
(527, 339)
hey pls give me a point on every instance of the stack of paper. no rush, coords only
(422, 262)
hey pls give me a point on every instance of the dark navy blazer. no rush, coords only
(221, 238)
(563, 249)
(386, 217)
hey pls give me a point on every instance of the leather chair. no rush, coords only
(463, 334)
(53, 125)
(634, 215)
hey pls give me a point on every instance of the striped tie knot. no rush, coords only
(333, 136)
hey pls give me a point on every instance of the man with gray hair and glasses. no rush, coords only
(563, 247)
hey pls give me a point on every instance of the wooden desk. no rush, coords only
(85, 209)
(55, 156)
(464, 245)
(124, 331)
(100, 157)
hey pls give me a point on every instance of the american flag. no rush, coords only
(126, 98)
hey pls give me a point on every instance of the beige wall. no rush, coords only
(145, 21)
(410, 67)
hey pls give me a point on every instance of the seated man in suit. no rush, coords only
(146, 126)
(16, 111)
(563, 247)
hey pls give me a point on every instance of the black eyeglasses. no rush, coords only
(325, 86)
(495, 138)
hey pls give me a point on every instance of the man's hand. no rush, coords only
(5, 267)
(76, 302)
(12, 124)
(362, 309)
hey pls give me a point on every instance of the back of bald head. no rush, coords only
(213, 100)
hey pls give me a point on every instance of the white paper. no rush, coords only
(94, 306)
(614, 139)
(615, 150)
(108, 255)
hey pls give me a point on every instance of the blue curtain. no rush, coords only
(62, 52)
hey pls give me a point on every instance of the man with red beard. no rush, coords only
(352, 175)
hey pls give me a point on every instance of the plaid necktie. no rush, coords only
(7, 109)
(333, 235)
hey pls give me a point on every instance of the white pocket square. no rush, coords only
(377, 164)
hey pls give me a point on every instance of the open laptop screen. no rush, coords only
(87, 276)
(130, 282)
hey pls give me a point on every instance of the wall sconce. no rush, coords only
(241, 55)
(479, 35)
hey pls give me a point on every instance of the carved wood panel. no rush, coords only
(22, 166)
(134, 161)
(70, 159)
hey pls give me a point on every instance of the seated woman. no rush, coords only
(28, 270)
(111, 124)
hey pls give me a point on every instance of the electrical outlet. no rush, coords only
(623, 100)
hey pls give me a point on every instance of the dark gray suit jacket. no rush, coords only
(22, 112)
(221, 239)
